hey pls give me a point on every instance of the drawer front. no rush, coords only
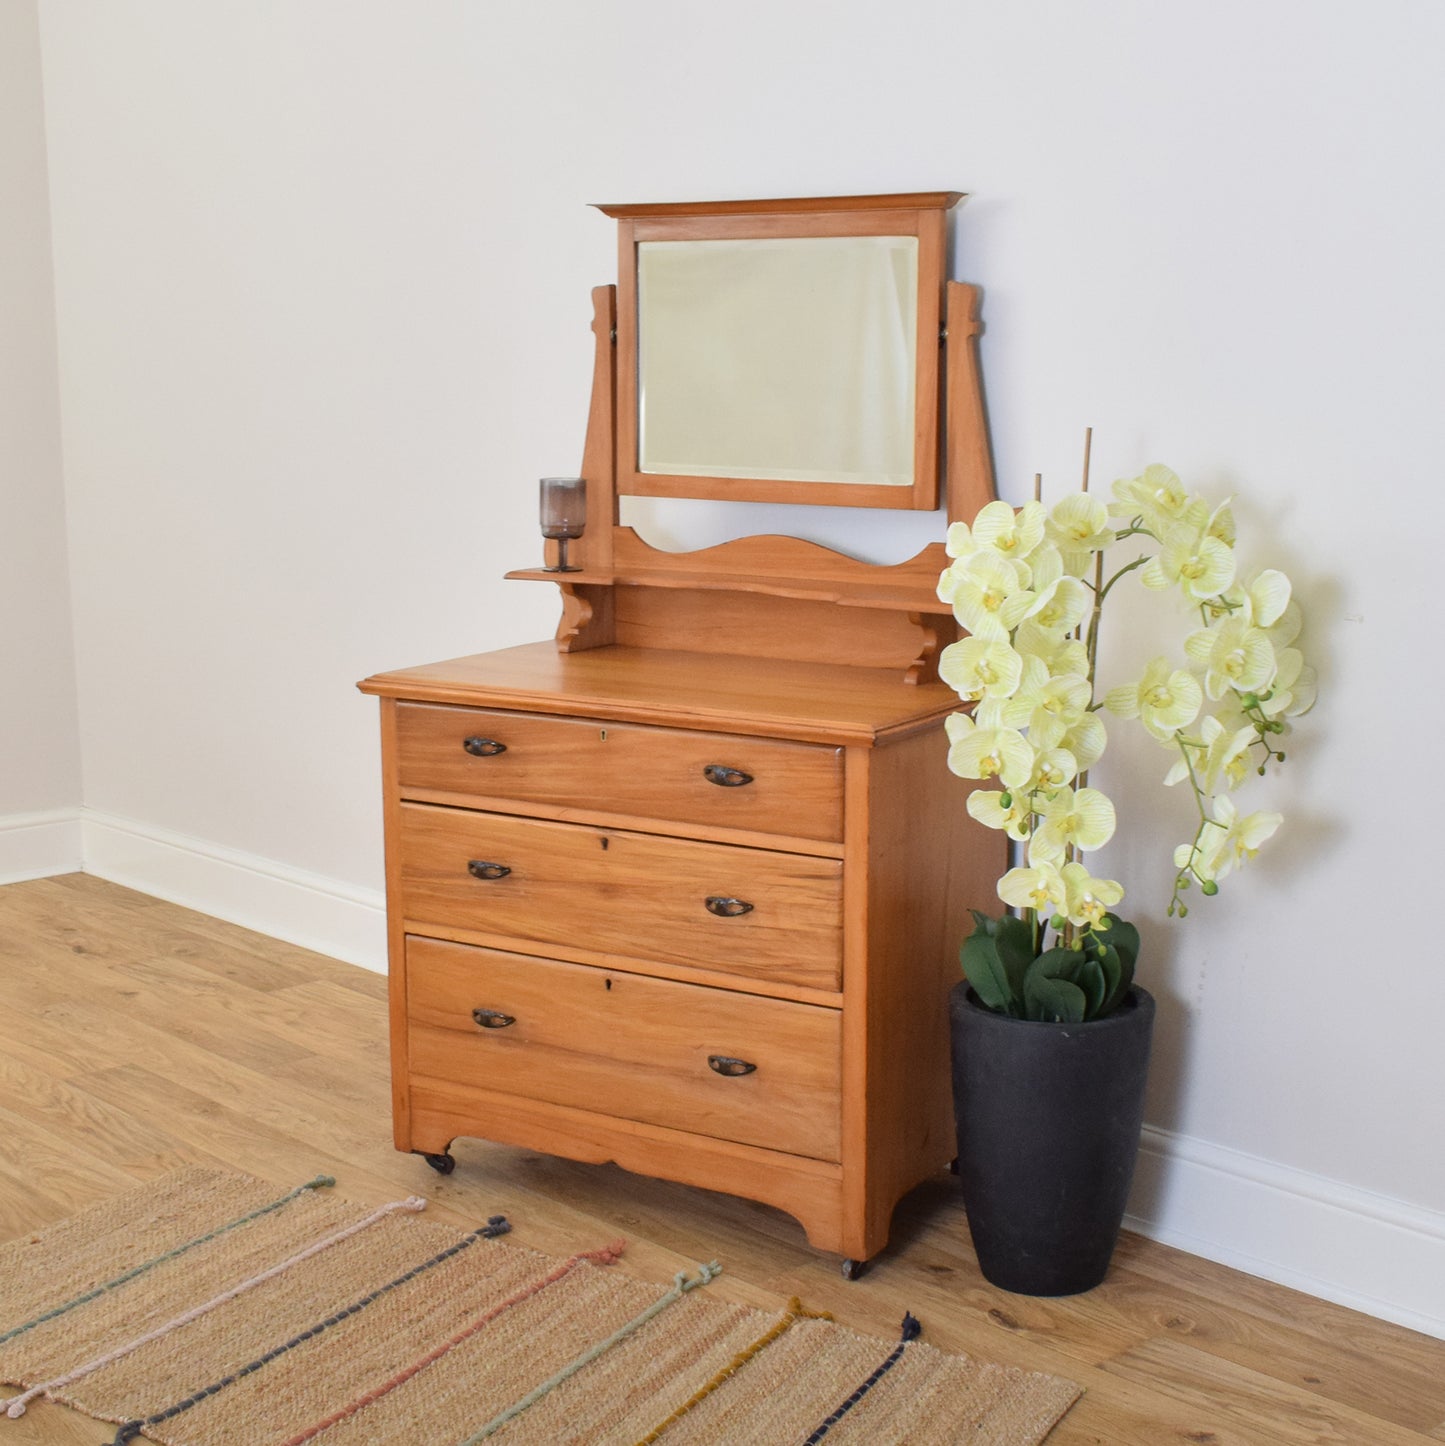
(713, 779)
(755, 913)
(627, 1046)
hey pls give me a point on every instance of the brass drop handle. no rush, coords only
(493, 1018)
(483, 747)
(728, 1065)
(727, 908)
(725, 777)
(481, 869)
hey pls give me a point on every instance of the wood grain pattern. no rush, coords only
(647, 773)
(769, 697)
(969, 455)
(769, 623)
(622, 893)
(930, 862)
(876, 920)
(772, 597)
(628, 1045)
(70, 955)
(809, 1190)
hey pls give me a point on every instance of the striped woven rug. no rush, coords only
(212, 1309)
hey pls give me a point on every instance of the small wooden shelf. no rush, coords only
(897, 597)
(776, 596)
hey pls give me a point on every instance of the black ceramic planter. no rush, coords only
(1048, 1131)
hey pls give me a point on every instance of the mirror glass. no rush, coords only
(789, 357)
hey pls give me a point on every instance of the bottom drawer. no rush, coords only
(625, 1045)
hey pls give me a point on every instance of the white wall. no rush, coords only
(39, 747)
(322, 278)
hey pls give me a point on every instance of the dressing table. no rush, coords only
(683, 888)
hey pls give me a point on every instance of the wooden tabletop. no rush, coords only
(819, 702)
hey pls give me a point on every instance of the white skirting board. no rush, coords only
(39, 845)
(1369, 1252)
(287, 903)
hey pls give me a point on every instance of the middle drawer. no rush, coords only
(749, 912)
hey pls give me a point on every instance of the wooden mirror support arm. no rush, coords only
(968, 455)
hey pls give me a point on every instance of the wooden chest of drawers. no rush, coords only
(695, 915)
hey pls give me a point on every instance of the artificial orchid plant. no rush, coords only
(1029, 585)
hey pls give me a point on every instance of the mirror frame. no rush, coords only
(919, 214)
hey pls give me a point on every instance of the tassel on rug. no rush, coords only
(911, 1331)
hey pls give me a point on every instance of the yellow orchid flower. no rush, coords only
(1086, 740)
(1082, 819)
(1221, 524)
(976, 752)
(1047, 707)
(1228, 841)
(986, 805)
(1286, 628)
(1059, 606)
(999, 710)
(1079, 527)
(1265, 598)
(980, 668)
(1012, 534)
(1040, 887)
(1058, 652)
(1234, 655)
(1052, 770)
(1164, 699)
(1293, 690)
(1156, 496)
(1193, 560)
(1224, 756)
(1087, 899)
(988, 593)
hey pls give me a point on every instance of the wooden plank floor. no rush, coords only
(138, 1036)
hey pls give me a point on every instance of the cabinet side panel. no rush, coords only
(929, 864)
(395, 931)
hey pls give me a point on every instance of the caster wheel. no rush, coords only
(852, 1269)
(442, 1164)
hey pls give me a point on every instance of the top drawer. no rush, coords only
(713, 779)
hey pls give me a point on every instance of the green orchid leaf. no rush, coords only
(985, 972)
(1054, 1001)
(1116, 977)
(1095, 987)
(1015, 943)
(1124, 937)
(1057, 963)
(985, 923)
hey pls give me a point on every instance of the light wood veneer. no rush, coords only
(842, 886)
